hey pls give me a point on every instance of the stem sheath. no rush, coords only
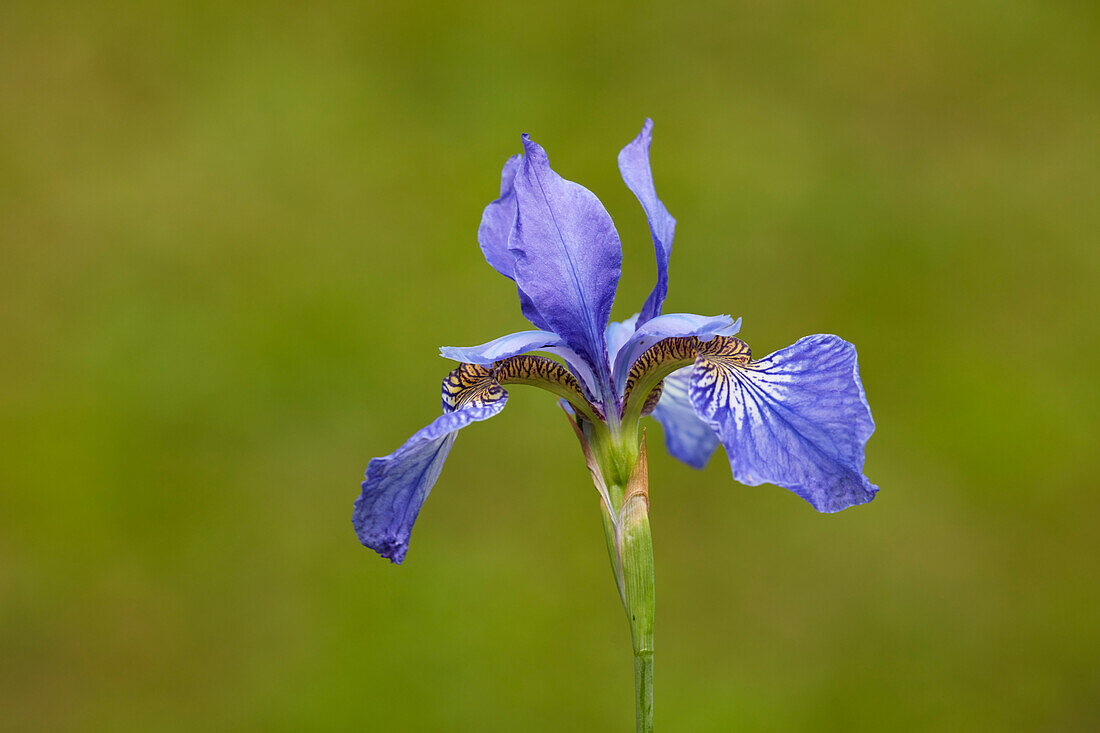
(621, 476)
(634, 573)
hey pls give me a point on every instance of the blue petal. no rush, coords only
(686, 436)
(797, 418)
(520, 343)
(496, 226)
(502, 348)
(667, 326)
(580, 369)
(497, 221)
(618, 333)
(398, 484)
(636, 173)
(568, 257)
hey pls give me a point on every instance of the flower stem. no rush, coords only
(636, 553)
(634, 548)
(621, 476)
(643, 691)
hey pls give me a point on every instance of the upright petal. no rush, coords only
(618, 333)
(397, 485)
(797, 418)
(496, 226)
(667, 326)
(687, 438)
(501, 348)
(568, 257)
(636, 173)
(497, 221)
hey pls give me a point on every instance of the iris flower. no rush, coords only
(798, 418)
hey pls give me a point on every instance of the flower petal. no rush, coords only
(522, 342)
(397, 485)
(797, 418)
(497, 221)
(636, 173)
(668, 326)
(580, 369)
(568, 257)
(511, 345)
(687, 438)
(618, 333)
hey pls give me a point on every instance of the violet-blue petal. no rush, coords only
(687, 438)
(579, 369)
(568, 257)
(502, 348)
(523, 342)
(397, 485)
(618, 333)
(497, 221)
(638, 176)
(671, 324)
(798, 418)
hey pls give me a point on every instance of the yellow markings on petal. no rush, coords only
(475, 384)
(716, 366)
(678, 349)
(648, 371)
(526, 369)
(653, 398)
(726, 349)
(470, 385)
(548, 374)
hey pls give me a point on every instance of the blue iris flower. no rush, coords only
(797, 418)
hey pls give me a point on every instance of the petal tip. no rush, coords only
(394, 551)
(387, 545)
(532, 150)
(836, 503)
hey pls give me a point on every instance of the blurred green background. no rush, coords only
(234, 235)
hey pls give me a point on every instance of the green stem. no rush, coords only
(630, 546)
(636, 553)
(643, 691)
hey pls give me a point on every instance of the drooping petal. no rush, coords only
(638, 176)
(797, 418)
(669, 325)
(497, 221)
(618, 333)
(568, 257)
(397, 485)
(511, 345)
(687, 438)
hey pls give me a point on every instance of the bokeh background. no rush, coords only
(234, 235)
